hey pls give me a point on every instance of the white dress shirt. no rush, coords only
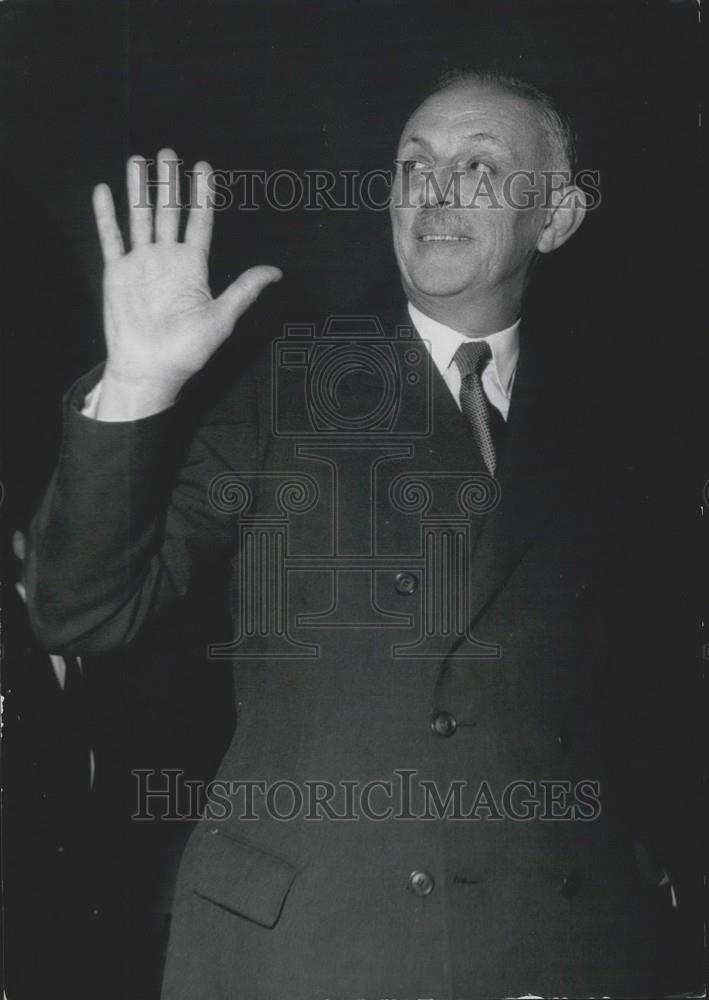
(498, 376)
(90, 407)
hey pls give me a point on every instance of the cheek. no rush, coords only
(507, 232)
(491, 232)
(404, 195)
(401, 223)
(394, 196)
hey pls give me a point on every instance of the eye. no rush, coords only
(478, 166)
(408, 166)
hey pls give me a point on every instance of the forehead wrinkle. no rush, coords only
(452, 135)
(485, 137)
(505, 111)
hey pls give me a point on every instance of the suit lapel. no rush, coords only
(530, 472)
(447, 454)
(531, 477)
(448, 445)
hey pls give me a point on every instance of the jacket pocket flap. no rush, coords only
(242, 878)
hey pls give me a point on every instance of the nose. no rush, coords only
(440, 187)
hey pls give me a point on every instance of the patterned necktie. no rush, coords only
(471, 359)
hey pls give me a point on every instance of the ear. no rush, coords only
(563, 219)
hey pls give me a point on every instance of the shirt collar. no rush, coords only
(443, 342)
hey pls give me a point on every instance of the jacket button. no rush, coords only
(405, 583)
(421, 883)
(443, 724)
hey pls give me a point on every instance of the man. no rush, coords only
(426, 528)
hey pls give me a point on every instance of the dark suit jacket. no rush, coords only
(378, 581)
(47, 821)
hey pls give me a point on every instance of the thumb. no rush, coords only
(236, 299)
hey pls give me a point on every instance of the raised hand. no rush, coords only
(161, 322)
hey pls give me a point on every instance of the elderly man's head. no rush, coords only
(472, 205)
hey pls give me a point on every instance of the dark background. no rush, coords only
(317, 86)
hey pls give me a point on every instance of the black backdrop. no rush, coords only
(317, 86)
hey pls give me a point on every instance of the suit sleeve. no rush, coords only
(128, 524)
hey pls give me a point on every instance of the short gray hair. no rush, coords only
(557, 126)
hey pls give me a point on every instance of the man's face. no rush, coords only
(469, 139)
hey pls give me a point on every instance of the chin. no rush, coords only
(440, 280)
(442, 269)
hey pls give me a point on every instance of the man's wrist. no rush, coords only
(126, 399)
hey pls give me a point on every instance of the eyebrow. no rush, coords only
(487, 137)
(483, 136)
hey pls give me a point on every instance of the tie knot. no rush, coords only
(472, 357)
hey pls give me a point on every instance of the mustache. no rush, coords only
(439, 223)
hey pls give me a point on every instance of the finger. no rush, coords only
(237, 298)
(167, 211)
(201, 217)
(108, 232)
(139, 210)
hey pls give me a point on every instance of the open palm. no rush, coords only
(161, 322)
